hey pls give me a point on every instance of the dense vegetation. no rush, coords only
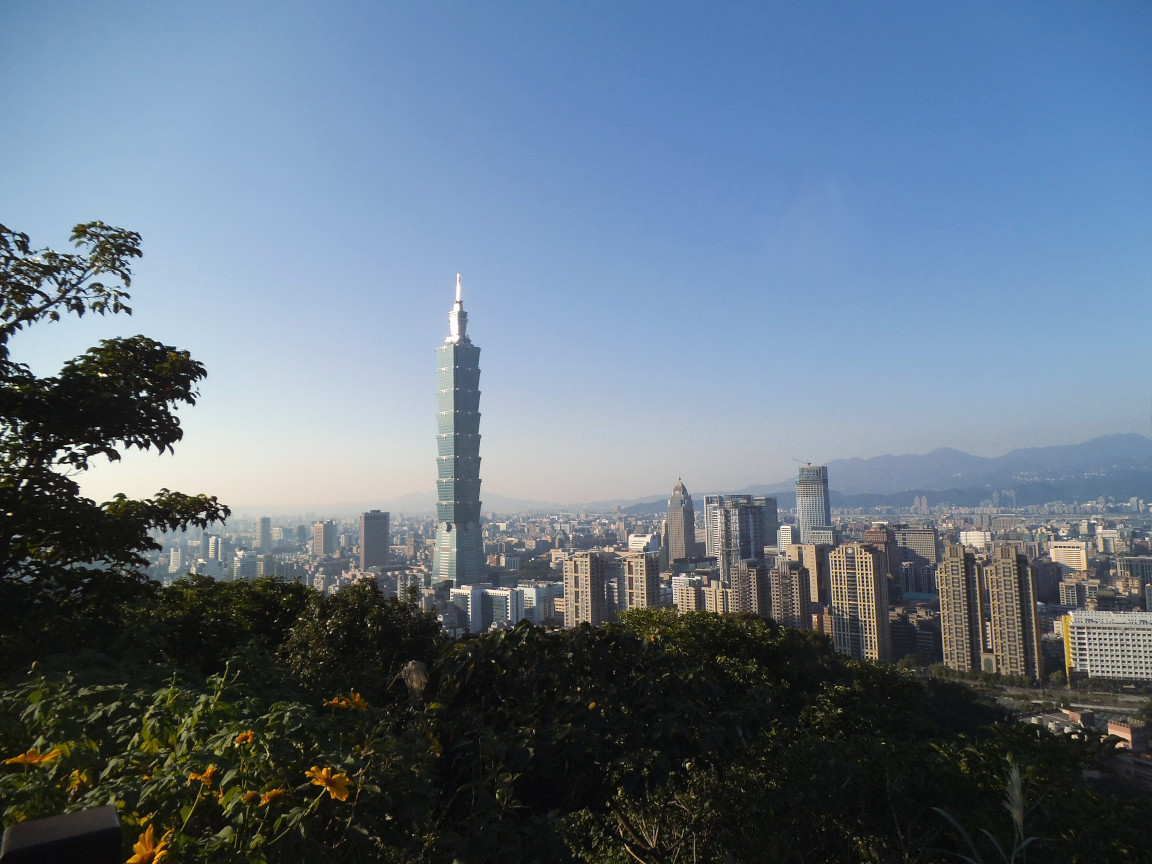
(260, 721)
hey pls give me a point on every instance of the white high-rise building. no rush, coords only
(813, 508)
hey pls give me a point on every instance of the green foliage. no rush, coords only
(120, 394)
(659, 738)
(357, 639)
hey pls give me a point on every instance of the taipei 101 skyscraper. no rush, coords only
(459, 553)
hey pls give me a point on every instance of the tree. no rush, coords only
(121, 394)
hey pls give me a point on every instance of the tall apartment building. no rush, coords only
(813, 507)
(1015, 624)
(458, 555)
(681, 524)
(814, 558)
(789, 592)
(748, 585)
(264, 534)
(584, 601)
(323, 538)
(988, 613)
(641, 574)
(883, 538)
(960, 580)
(373, 539)
(860, 602)
(688, 593)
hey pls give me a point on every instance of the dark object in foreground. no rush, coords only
(86, 836)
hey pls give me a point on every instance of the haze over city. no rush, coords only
(697, 242)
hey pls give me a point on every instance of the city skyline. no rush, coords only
(628, 191)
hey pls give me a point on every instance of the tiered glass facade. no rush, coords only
(459, 552)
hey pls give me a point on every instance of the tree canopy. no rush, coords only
(120, 394)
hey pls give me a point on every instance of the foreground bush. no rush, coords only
(661, 738)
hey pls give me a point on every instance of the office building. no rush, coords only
(458, 555)
(681, 524)
(859, 602)
(264, 534)
(373, 539)
(507, 605)
(740, 534)
(813, 508)
(712, 506)
(1114, 645)
(584, 599)
(919, 547)
(1071, 555)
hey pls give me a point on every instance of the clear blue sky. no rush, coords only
(697, 239)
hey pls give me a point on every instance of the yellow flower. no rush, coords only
(35, 757)
(79, 780)
(147, 850)
(251, 797)
(336, 784)
(245, 737)
(206, 777)
(355, 702)
(271, 796)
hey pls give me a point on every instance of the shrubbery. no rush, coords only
(656, 739)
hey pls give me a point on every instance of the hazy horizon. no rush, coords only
(695, 241)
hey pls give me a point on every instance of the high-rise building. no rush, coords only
(884, 539)
(373, 539)
(584, 601)
(739, 531)
(813, 507)
(458, 555)
(264, 534)
(770, 519)
(960, 581)
(860, 602)
(323, 538)
(988, 617)
(681, 523)
(789, 590)
(748, 584)
(1015, 624)
(712, 505)
(641, 574)
(919, 547)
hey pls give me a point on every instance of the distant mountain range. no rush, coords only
(1119, 466)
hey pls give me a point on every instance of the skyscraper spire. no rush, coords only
(457, 319)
